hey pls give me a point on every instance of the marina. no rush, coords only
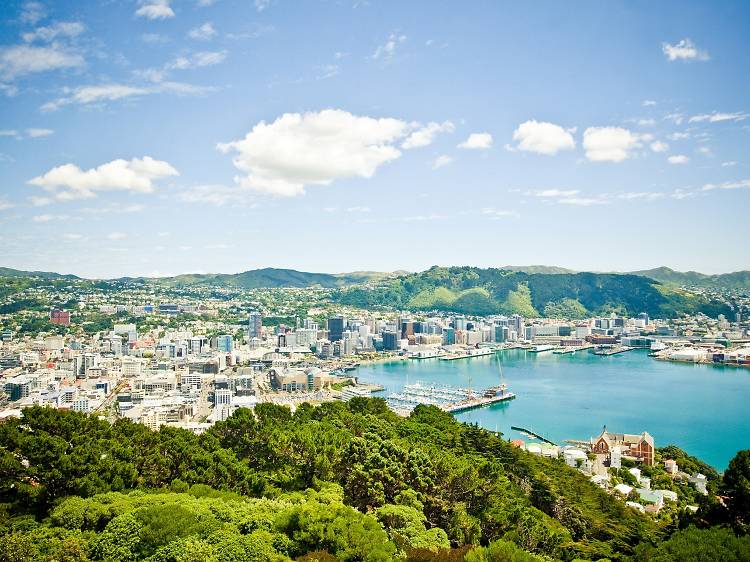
(575, 394)
(468, 354)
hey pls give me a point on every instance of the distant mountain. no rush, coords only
(472, 290)
(271, 278)
(736, 280)
(9, 272)
(550, 269)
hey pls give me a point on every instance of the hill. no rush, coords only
(270, 278)
(10, 272)
(537, 269)
(735, 280)
(472, 290)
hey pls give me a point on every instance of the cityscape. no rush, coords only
(256, 300)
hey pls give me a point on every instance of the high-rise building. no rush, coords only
(644, 316)
(254, 325)
(225, 343)
(336, 326)
(391, 340)
(449, 336)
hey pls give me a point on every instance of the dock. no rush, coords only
(481, 352)
(447, 398)
(566, 349)
(532, 434)
(613, 350)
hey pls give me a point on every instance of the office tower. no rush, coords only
(336, 327)
(254, 325)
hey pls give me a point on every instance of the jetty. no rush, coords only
(532, 434)
(469, 353)
(606, 351)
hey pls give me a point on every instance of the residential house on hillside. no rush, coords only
(638, 447)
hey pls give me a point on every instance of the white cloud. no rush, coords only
(137, 175)
(5, 204)
(32, 12)
(116, 236)
(676, 117)
(494, 213)
(678, 159)
(553, 193)
(647, 103)
(582, 201)
(35, 133)
(21, 60)
(73, 236)
(40, 201)
(477, 141)
(683, 50)
(609, 144)
(49, 218)
(741, 184)
(646, 122)
(8, 133)
(425, 135)
(640, 195)
(543, 138)
(261, 5)
(659, 146)
(706, 151)
(67, 29)
(728, 164)
(203, 32)
(198, 60)
(716, 117)
(155, 9)
(387, 50)
(678, 136)
(442, 160)
(315, 148)
(102, 93)
(358, 209)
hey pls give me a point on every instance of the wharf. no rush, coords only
(613, 350)
(564, 350)
(532, 434)
(478, 402)
(483, 352)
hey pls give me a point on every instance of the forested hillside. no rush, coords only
(349, 482)
(472, 290)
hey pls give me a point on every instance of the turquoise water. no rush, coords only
(703, 409)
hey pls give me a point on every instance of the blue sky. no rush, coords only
(153, 137)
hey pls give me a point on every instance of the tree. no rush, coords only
(737, 487)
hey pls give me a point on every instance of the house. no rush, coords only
(638, 447)
(623, 489)
(699, 481)
(670, 466)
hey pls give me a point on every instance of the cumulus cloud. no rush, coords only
(155, 9)
(678, 159)
(717, 117)
(20, 60)
(609, 144)
(60, 29)
(683, 50)
(648, 103)
(477, 141)
(5, 204)
(659, 146)
(542, 137)
(203, 32)
(315, 148)
(741, 184)
(425, 135)
(440, 161)
(137, 175)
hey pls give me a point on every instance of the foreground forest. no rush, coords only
(348, 482)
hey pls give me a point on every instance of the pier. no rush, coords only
(532, 434)
(612, 350)
(447, 398)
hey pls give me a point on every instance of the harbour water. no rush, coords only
(703, 409)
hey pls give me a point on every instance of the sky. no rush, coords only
(157, 137)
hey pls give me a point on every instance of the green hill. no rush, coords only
(10, 272)
(473, 290)
(735, 280)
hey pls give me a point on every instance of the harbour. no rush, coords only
(575, 394)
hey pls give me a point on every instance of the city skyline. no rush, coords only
(163, 137)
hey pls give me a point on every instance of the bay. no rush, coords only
(703, 409)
